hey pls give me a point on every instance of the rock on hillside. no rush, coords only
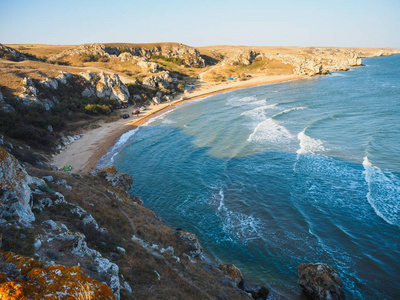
(244, 57)
(105, 86)
(11, 54)
(25, 278)
(190, 56)
(15, 190)
(4, 107)
(321, 281)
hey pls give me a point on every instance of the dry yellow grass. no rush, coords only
(40, 50)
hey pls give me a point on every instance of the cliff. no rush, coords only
(131, 52)
(85, 229)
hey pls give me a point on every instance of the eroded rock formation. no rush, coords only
(321, 281)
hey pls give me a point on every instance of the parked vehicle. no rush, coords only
(125, 116)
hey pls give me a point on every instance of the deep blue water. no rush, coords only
(274, 176)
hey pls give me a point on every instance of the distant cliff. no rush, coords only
(189, 56)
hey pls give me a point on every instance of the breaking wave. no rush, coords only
(383, 192)
(309, 144)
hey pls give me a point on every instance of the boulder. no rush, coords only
(320, 281)
(63, 77)
(232, 272)
(50, 83)
(26, 278)
(192, 242)
(122, 180)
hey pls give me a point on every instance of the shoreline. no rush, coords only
(84, 154)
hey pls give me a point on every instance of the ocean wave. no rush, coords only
(249, 100)
(383, 192)
(258, 112)
(236, 224)
(270, 131)
(309, 144)
(288, 111)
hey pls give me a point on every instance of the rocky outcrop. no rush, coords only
(121, 180)
(162, 80)
(188, 55)
(105, 86)
(192, 242)
(63, 77)
(4, 107)
(232, 272)
(309, 67)
(75, 247)
(144, 63)
(25, 278)
(50, 83)
(321, 281)
(11, 54)
(16, 194)
(244, 57)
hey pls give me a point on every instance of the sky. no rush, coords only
(341, 23)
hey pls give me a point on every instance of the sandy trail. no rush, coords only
(83, 154)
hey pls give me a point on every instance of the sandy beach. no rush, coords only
(83, 154)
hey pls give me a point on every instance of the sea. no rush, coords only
(278, 175)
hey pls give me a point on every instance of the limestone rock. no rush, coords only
(189, 56)
(144, 63)
(232, 272)
(154, 81)
(4, 107)
(74, 245)
(243, 57)
(11, 54)
(15, 200)
(26, 278)
(191, 241)
(105, 86)
(126, 56)
(321, 281)
(50, 83)
(122, 180)
(63, 77)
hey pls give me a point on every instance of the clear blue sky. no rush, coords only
(364, 23)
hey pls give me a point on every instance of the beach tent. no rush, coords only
(230, 78)
(67, 168)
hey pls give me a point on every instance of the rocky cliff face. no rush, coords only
(86, 229)
(105, 86)
(244, 57)
(16, 192)
(190, 56)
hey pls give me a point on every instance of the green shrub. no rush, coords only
(97, 109)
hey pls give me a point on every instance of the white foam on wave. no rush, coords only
(270, 131)
(258, 112)
(240, 225)
(249, 100)
(383, 193)
(309, 144)
(289, 110)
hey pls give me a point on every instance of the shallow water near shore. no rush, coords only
(274, 176)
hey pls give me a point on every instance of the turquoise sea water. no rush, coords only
(274, 176)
